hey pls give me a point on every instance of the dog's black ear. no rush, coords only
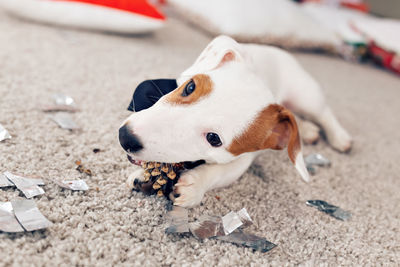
(149, 92)
(131, 106)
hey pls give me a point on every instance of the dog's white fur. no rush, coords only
(245, 78)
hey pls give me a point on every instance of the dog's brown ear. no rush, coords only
(274, 128)
(283, 131)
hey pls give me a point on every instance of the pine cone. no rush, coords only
(159, 178)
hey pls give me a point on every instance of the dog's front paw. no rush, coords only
(188, 190)
(136, 175)
(309, 132)
(341, 140)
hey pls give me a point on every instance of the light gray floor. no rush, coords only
(109, 226)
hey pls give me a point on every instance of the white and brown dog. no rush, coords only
(233, 102)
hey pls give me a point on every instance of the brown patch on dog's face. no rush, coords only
(274, 128)
(203, 87)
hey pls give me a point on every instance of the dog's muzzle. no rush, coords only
(129, 141)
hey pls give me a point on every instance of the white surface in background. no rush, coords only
(81, 15)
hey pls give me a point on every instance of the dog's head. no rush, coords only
(219, 111)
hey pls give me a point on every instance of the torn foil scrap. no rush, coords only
(4, 182)
(64, 120)
(231, 222)
(62, 103)
(29, 187)
(217, 227)
(29, 216)
(316, 159)
(36, 181)
(206, 227)
(8, 222)
(4, 134)
(245, 217)
(63, 100)
(311, 169)
(75, 185)
(177, 220)
(330, 209)
(248, 240)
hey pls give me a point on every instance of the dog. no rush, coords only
(235, 101)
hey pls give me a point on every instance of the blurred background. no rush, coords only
(356, 30)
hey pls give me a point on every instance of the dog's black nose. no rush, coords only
(128, 140)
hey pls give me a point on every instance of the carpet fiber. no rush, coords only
(109, 225)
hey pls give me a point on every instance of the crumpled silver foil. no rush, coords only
(62, 103)
(29, 215)
(245, 217)
(207, 227)
(222, 228)
(4, 182)
(8, 222)
(62, 99)
(311, 169)
(75, 185)
(231, 222)
(4, 134)
(330, 209)
(28, 186)
(316, 159)
(248, 240)
(64, 120)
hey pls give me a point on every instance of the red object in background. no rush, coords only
(141, 7)
(385, 58)
(357, 5)
(363, 7)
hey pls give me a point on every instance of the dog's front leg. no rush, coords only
(194, 183)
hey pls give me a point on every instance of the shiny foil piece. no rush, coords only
(62, 99)
(75, 185)
(4, 182)
(28, 186)
(64, 120)
(207, 227)
(311, 169)
(8, 221)
(224, 228)
(248, 240)
(316, 159)
(231, 222)
(177, 220)
(245, 217)
(330, 209)
(29, 215)
(4, 134)
(62, 103)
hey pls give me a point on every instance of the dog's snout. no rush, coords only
(129, 141)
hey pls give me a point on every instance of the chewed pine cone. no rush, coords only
(158, 178)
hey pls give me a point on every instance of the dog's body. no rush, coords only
(230, 104)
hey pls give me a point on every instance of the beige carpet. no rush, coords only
(111, 226)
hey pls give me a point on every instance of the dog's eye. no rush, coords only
(213, 139)
(189, 88)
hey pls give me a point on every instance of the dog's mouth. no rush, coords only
(134, 161)
(185, 164)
